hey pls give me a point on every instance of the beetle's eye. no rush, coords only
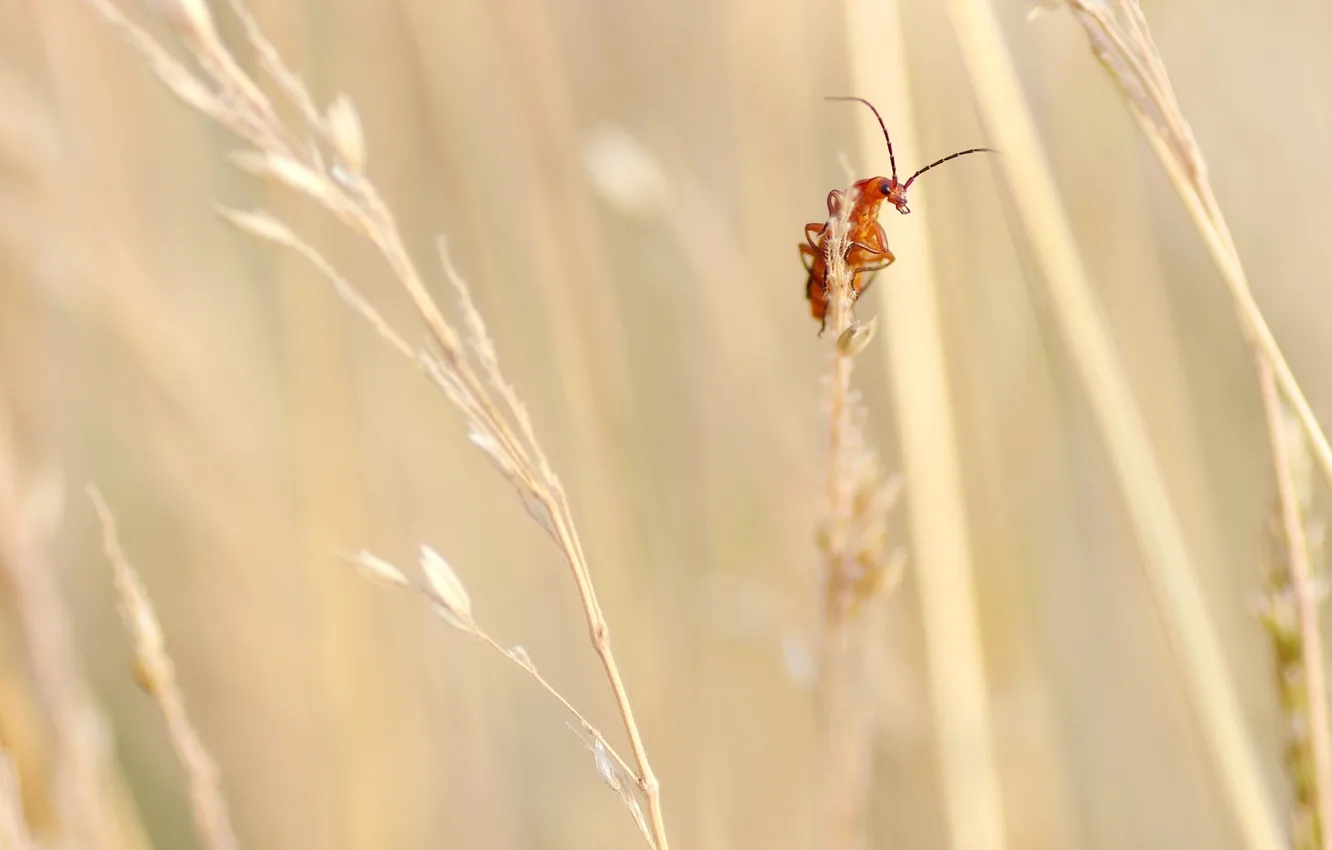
(886, 188)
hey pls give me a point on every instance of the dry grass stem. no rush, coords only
(156, 675)
(856, 567)
(264, 226)
(853, 538)
(1171, 575)
(321, 155)
(1292, 621)
(449, 598)
(1121, 40)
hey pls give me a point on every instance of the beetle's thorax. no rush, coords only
(868, 195)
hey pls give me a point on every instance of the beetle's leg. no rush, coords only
(834, 201)
(814, 229)
(879, 260)
(883, 260)
(871, 250)
(870, 274)
(881, 237)
(868, 249)
(807, 255)
(870, 271)
(876, 244)
(816, 291)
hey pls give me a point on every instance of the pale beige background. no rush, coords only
(246, 427)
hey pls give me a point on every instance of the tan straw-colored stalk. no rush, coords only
(941, 542)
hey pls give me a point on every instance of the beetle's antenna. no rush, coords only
(945, 159)
(891, 159)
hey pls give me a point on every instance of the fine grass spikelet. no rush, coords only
(145, 677)
(447, 591)
(1041, 7)
(286, 170)
(854, 339)
(605, 767)
(192, 20)
(522, 659)
(378, 570)
(257, 223)
(319, 151)
(345, 132)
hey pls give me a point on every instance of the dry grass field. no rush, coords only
(1087, 620)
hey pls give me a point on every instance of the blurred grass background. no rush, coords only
(246, 427)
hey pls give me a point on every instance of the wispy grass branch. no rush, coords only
(446, 594)
(156, 674)
(1122, 42)
(322, 155)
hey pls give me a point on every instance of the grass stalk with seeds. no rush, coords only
(856, 568)
(1122, 41)
(156, 674)
(1119, 37)
(1296, 540)
(322, 155)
